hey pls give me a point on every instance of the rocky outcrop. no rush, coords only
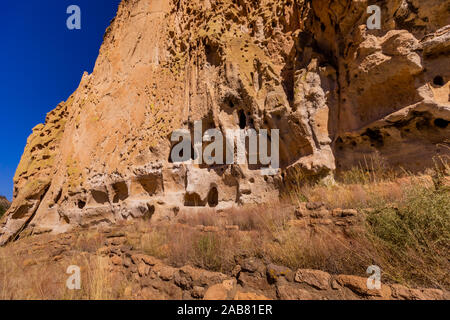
(338, 92)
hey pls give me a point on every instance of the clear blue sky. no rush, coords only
(41, 65)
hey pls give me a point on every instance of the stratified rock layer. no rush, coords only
(338, 92)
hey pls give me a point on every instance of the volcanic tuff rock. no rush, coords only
(337, 91)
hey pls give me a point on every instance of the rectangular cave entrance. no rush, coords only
(193, 199)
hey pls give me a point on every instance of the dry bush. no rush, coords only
(358, 196)
(212, 251)
(204, 217)
(208, 251)
(10, 263)
(413, 237)
(98, 279)
(261, 217)
(28, 278)
(180, 246)
(219, 251)
(152, 243)
(325, 251)
(89, 241)
(372, 170)
(247, 219)
(384, 190)
(28, 275)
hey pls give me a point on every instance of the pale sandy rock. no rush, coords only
(116, 260)
(402, 292)
(291, 292)
(143, 269)
(434, 294)
(359, 286)
(198, 292)
(224, 291)
(315, 278)
(249, 296)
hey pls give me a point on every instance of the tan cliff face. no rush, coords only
(337, 91)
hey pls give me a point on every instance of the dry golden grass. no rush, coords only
(322, 251)
(98, 279)
(360, 196)
(204, 217)
(28, 274)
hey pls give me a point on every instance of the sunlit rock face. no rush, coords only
(338, 93)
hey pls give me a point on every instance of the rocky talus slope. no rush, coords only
(339, 93)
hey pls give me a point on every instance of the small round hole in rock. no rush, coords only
(438, 81)
(81, 204)
(441, 123)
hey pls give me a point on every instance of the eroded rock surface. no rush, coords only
(338, 92)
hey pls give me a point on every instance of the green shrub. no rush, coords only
(208, 252)
(414, 236)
